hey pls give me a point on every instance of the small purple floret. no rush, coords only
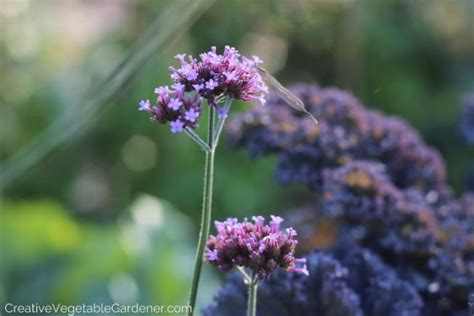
(211, 84)
(177, 126)
(222, 113)
(175, 104)
(191, 115)
(162, 90)
(144, 105)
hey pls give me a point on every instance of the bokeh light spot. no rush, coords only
(139, 153)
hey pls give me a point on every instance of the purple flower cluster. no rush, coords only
(256, 246)
(375, 184)
(213, 78)
(467, 119)
(347, 281)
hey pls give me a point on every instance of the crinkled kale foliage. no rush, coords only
(375, 184)
(348, 281)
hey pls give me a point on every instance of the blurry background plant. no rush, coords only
(407, 58)
(375, 184)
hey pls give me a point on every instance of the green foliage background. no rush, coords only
(62, 220)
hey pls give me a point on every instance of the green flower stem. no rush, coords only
(195, 137)
(252, 297)
(206, 211)
(221, 122)
(247, 278)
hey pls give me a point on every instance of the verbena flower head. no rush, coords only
(212, 78)
(259, 247)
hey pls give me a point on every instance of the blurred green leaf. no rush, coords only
(144, 257)
(168, 26)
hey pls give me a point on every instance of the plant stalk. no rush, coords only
(206, 212)
(252, 297)
(221, 122)
(195, 137)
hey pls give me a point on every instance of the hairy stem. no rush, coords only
(206, 211)
(252, 297)
(247, 278)
(195, 137)
(222, 119)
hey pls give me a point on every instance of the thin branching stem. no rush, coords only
(195, 137)
(252, 297)
(247, 277)
(222, 120)
(206, 212)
